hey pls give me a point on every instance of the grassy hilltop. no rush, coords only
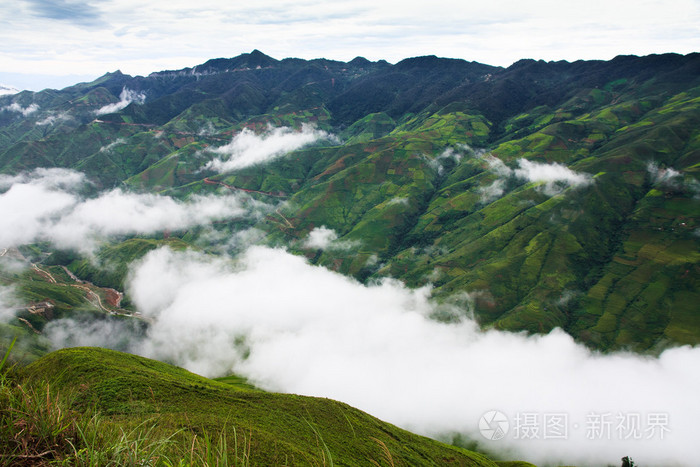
(90, 406)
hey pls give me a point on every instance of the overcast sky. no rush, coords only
(54, 43)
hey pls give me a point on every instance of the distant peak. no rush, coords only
(359, 61)
(255, 59)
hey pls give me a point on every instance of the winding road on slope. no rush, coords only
(209, 181)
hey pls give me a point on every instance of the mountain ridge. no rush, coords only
(448, 139)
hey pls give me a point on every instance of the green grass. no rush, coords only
(88, 406)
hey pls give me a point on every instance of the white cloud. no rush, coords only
(496, 189)
(320, 238)
(25, 111)
(112, 145)
(398, 200)
(661, 175)
(30, 205)
(7, 90)
(44, 205)
(118, 334)
(54, 118)
(143, 37)
(323, 238)
(668, 177)
(126, 97)
(120, 213)
(492, 191)
(293, 327)
(438, 163)
(554, 177)
(247, 148)
(8, 304)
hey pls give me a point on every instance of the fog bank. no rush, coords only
(293, 327)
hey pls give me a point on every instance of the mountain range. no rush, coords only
(539, 196)
(553, 194)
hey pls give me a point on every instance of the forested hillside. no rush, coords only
(536, 196)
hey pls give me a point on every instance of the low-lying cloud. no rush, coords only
(669, 178)
(54, 118)
(46, 205)
(126, 97)
(8, 305)
(6, 90)
(320, 238)
(25, 111)
(293, 327)
(112, 145)
(323, 238)
(247, 148)
(554, 177)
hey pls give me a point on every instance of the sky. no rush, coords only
(56, 43)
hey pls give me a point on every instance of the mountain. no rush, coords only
(549, 194)
(111, 407)
(539, 196)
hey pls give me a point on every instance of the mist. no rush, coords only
(54, 118)
(126, 97)
(247, 148)
(8, 302)
(46, 205)
(292, 327)
(553, 178)
(323, 238)
(25, 111)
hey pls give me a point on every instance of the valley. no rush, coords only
(550, 207)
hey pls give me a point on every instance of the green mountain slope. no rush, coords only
(261, 428)
(548, 194)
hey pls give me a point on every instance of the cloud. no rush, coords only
(297, 328)
(126, 97)
(320, 238)
(8, 303)
(29, 206)
(438, 163)
(451, 156)
(398, 200)
(554, 177)
(54, 118)
(112, 145)
(7, 90)
(496, 189)
(52, 178)
(45, 205)
(323, 238)
(668, 177)
(247, 148)
(106, 332)
(388, 30)
(82, 13)
(661, 175)
(25, 111)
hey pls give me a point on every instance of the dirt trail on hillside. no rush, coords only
(47, 275)
(209, 181)
(112, 296)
